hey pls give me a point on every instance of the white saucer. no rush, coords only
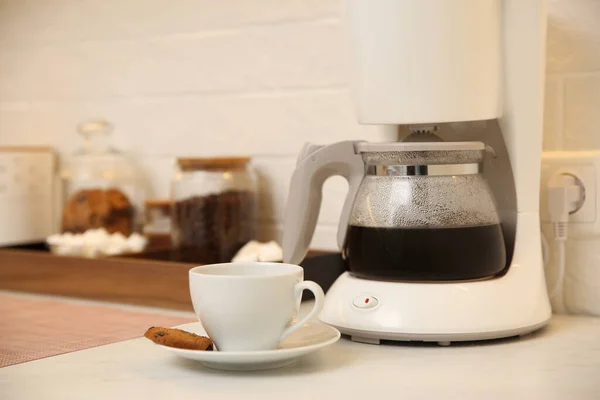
(309, 338)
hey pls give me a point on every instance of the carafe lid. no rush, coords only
(367, 147)
(420, 153)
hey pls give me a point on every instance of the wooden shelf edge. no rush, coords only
(118, 280)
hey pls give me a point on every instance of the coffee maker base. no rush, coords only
(442, 339)
(372, 311)
(515, 303)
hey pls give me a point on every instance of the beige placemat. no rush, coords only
(37, 327)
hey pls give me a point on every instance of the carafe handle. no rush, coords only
(315, 165)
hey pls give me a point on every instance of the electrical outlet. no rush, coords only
(584, 165)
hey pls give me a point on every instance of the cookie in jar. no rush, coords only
(97, 208)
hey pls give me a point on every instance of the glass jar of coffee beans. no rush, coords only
(213, 208)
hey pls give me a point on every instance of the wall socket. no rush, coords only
(584, 165)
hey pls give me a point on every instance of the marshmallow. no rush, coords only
(256, 251)
(137, 242)
(118, 237)
(95, 242)
(115, 248)
(270, 252)
(248, 253)
(54, 240)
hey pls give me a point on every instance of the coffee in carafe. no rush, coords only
(425, 254)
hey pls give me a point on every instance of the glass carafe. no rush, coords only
(423, 212)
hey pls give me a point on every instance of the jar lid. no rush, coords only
(188, 164)
(157, 203)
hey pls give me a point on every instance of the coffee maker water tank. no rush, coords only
(425, 61)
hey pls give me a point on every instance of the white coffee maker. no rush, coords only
(470, 71)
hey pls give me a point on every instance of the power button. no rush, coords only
(365, 302)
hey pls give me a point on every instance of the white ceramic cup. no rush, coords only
(247, 306)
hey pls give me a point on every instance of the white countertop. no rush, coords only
(560, 362)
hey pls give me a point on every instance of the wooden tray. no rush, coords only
(136, 279)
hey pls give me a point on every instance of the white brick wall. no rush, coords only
(572, 114)
(205, 77)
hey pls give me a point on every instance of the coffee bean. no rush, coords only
(211, 229)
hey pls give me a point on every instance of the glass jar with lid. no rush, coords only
(213, 208)
(100, 184)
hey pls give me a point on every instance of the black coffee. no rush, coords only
(425, 254)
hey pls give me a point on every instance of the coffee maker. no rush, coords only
(452, 75)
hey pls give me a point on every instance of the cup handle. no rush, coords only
(319, 299)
